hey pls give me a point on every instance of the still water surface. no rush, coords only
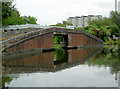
(88, 67)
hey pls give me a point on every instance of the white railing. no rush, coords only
(15, 27)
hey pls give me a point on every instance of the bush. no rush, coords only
(114, 29)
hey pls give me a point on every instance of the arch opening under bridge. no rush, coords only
(63, 38)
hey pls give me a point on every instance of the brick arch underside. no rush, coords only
(43, 41)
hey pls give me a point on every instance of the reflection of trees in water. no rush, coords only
(60, 56)
(64, 59)
(6, 79)
(109, 57)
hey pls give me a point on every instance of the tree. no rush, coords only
(6, 9)
(13, 19)
(29, 19)
(66, 23)
(32, 20)
(58, 39)
(114, 29)
(11, 16)
(63, 24)
(115, 17)
(104, 28)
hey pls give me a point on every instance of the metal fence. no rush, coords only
(15, 27)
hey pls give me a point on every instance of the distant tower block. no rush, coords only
(115, 5)
(119, 6)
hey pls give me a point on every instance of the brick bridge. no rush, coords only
(43, 38)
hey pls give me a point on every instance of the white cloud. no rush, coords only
(53, 11)
(78, 76)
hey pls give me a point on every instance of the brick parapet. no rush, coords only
(43, 32)
(42, 41)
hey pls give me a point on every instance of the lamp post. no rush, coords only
(115, 5)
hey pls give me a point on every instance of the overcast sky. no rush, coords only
(53, 11)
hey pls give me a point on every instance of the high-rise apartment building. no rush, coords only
(82, 21)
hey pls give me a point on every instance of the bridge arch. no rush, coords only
(44, 39)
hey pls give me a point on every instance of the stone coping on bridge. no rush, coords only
(21, 38)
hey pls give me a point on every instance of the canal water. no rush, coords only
(84, 67)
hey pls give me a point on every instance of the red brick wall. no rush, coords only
(43, 41)
(81, 39)
(42, 60)
(80, 55)
(46, 41)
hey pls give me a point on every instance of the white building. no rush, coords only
(85, 20)
(119, 6)
(82, 21)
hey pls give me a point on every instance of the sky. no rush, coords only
(48, 12)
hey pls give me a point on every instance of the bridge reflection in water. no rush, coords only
(93, 67)
(49, 61)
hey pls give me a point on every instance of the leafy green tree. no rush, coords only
(104, 28)
(58, 39)
(14, 19)
(11, 16)
(101, 22)
(32, 20)
(66, 23)
(115, 17)
(63, 24)
(6, 9)
(114, 29)
(29, 19)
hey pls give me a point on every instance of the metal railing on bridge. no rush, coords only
(25, 26)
